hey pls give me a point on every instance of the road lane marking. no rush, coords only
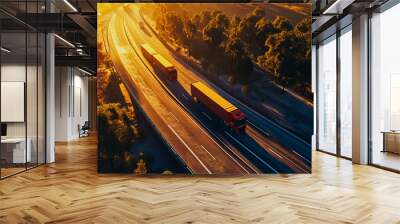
(245, 147)
(208, 152)
(301, 156)
(208, 134)
(271, 150)
(195, 156)
(268, 147)
(263, 131)
(173, 116)
(209, 118)
(286, 156)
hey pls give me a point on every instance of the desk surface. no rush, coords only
(13, 140)
(390, 132)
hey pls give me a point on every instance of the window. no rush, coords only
(385, 89)
(327, 95)
(345, 92)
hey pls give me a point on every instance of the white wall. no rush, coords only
(33, 127)
(16, 72)
(71, 102)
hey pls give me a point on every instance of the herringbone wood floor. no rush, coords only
(71, 191)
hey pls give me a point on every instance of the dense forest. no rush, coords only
(236, 45)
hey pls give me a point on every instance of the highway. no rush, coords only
(189, 140)
(273, 139)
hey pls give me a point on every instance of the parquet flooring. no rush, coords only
(71, 191)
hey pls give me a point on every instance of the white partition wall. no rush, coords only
(71, 102)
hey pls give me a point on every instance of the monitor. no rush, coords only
(3, 129)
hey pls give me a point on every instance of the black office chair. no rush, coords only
(84, 130)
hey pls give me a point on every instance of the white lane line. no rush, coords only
(259, 129)
(201, 128)
(271, 150)
(174, 116)
(209, 118)
(184, 143)
(301, 156)
(245, 147)
(208, 152)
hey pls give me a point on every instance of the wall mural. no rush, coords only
(204, 88)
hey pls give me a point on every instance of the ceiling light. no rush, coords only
(64, 40)
(70, 5)
(5, 50)
(337, 7)
(84, 71)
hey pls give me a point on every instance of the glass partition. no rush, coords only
(13, 89)
(22, 90)
(327, 95)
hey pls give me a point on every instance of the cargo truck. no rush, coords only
(232, 117)
(159, 62)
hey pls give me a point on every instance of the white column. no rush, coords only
(50, 100)
(50, 92)
(62, 103)
(360, 90)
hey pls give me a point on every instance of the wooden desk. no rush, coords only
(13, 150)
(391, 141)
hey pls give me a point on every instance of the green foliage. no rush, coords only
(232, 45)
(288, 56)
(215, 30)
(117, 130)
(282, 24)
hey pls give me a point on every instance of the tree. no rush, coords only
(281, 23)
(288, 55)
(215, 31)
(117, 131)
(205, 18)
(174, 26)
(247, 30)
(264, 28)
(241, 66)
